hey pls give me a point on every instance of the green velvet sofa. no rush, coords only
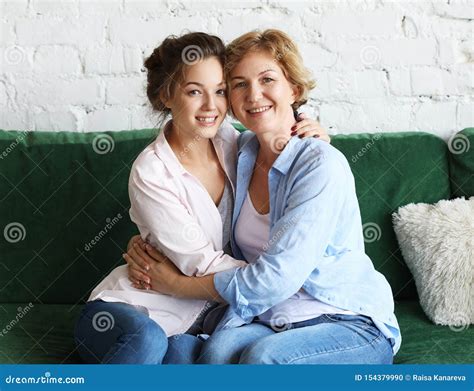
(64, 224)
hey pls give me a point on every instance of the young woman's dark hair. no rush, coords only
(166, 65)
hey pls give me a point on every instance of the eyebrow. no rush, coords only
(200, 84)
(266, 70)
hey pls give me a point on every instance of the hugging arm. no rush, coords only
(164, 222)
(301, 237)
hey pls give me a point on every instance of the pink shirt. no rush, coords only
(176, 214)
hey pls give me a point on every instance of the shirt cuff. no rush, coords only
(226, 284)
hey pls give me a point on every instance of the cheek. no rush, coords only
(235, 98)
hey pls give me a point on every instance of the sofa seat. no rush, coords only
(45, 335)
(423, 342)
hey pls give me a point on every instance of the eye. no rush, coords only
(194, 92)
(267, 80)
(240, 84)
(221, 92)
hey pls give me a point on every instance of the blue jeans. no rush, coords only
(119, 333)
(327, 339)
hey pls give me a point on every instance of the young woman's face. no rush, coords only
(199, 102)
(260, 94)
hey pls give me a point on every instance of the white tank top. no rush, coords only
(252, 233)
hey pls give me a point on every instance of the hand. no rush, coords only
(162, 276)
(307, 127)
(137, 266)
(134, 239)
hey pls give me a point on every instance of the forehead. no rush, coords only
(207, 71)
(254, 63)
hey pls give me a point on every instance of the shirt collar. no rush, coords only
(166, 154)
(283, 162)
(164, 151)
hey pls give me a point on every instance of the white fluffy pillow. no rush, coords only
(437, 243)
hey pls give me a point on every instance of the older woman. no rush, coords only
(309, 293)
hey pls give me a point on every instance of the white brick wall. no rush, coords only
(380, 65)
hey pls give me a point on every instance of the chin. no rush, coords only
(206, 132)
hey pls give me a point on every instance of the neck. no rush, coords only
(273, 142)
(190, 149)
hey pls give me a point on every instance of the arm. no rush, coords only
(302, 235)
(166, 224)
(298, 243)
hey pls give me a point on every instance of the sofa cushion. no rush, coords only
(44, 334)
(437, 244)
(391, 170)
(38, 333)
(461, 163)
(426, 343)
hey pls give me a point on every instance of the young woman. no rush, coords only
(181, 192)
(309, 294)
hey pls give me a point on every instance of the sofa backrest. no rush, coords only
(461, 163)
(64, 205)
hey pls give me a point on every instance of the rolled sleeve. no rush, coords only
(298, 241)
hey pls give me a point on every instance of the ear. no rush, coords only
(164, 99)
(295, 93)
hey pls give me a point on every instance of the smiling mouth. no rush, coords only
(207, 120)
(259, 109)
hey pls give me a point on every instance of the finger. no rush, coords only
(131, 260)
(309, 122)
(325, 137)
(137, 258)
(144, 255)
(305, 128)
(138, 275)
(155, 254)
(302, 116)
(141, 243)
(138, 284)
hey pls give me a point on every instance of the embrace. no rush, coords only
(251, 248)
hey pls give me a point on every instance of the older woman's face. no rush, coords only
(260, 94)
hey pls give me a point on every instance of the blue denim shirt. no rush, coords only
(316, 240)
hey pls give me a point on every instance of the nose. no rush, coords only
(254, 93)
(209, 102)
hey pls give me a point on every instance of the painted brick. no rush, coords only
(56, 60)
(125, 91)
(108, 118)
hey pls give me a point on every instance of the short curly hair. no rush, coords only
(285, 52)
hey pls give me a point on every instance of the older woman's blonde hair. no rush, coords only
(285, 53)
